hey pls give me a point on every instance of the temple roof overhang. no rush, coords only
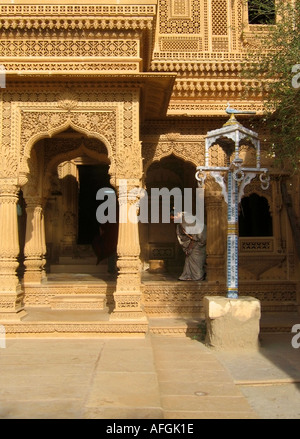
(155, 88)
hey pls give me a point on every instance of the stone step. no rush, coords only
(79, 302)
(79, 268)
(279, 322)
(68, 260)
(76, 322)
(174, 326)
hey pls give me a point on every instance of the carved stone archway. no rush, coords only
(153, 152)
(109, 115)
(53, 167)
(59, 122)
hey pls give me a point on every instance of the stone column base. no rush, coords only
(33, 277)
(128, 307)
(128, 316)
(232, 323)
(11, 306)
(12, 316)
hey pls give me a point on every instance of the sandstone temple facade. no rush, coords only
(98, 93)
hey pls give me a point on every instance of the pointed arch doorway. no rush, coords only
(159, 240)
(72, 168)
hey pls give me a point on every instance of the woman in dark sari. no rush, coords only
(194, 247)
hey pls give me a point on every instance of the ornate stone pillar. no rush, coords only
(34, 250)
(128, 294)
(11, 295)
(216, 238)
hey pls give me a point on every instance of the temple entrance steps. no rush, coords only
(81, 304)
(53, 323)
(49, 323)
(72, 291)
(165, 296)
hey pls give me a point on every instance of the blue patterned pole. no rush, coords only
(232, 237)
(238, 177)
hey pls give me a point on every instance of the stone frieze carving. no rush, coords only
(39, 123)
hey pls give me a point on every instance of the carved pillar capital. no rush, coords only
(33, 202)
(23, 179)
(9, 191)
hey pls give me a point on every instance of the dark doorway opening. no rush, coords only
(255, 218)
(91, 179)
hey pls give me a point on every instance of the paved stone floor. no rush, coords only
(156, 377)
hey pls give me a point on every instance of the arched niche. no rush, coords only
(255, 218)
(158, 239)
(66, 171)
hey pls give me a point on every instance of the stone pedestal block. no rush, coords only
(232, 323)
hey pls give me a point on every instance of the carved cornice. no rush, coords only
(213, 80)
(64, 24)
(156, 87)
(191, 63)
(214, 87)
(71, 68)
(41, 10)
(70, 17)
(210, 108)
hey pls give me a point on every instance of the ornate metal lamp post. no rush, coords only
(230, 137)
